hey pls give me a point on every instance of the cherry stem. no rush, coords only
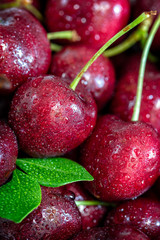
(55, 47)
(139, 34)
(16, 3)
(69, 35)
(133, 24)
(23, 3)
(34, 11)
(94, 203)
(136, 110)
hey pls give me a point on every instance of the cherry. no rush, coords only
(24, 48)
(102, 20)
(113, 232)
(123, 164)
(49, 118)
(142, 213)
(92, 216)
(8, 152)
(56, 218)
(124, 98)
(99, 78)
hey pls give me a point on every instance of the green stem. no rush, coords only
(34, 11)
(94, 203)
(137, 21)
(136, 110)
(55, 47)
(140, 33)
(16, 3)
(69, 35)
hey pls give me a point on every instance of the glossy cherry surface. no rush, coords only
(99, 78)
(56, 218)
(142, 213)
(96, 21)
(24, 47)
(123, 157)
(8, 152)
(49, 118)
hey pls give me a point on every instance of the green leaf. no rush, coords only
(19, 197)
(54, 172)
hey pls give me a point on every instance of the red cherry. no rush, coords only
(142, 213)
(24, 48)
(96, 21)
(56, 218)
(123, 157)
(49, 118)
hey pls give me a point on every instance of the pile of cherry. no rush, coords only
(42, 116)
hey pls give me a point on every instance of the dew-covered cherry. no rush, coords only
(49, 118)
(8, 152)
(24, 48)
(142, 213)
(123, 157)
(56, 218)
(96, 21)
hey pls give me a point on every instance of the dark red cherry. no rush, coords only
(49, 118)
(92, 216)
(24, 47)
(56, 218)
(99, 78)
(123, 157)
(142, 213)
(113, 232)
(124, 99)
(96, 21)
(8, 152)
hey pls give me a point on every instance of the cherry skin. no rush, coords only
(123, 157)
(8, 152)
(124, 99)
(56, 218)
(24, 48)
(49, 118)
(142, 213)
(92, 216)
(113, 232)
(102, 20)
(99, 78)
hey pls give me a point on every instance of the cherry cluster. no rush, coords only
(45, 113)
